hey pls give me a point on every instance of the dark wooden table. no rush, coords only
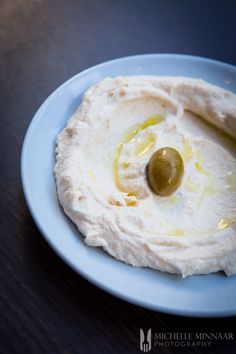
(44, 306)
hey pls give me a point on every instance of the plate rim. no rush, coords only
(29, 131)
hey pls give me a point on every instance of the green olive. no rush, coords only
(165, 171)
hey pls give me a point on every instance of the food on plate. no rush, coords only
(145, 171)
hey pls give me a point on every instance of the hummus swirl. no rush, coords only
(100, 171)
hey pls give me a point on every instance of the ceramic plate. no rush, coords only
(205, 295)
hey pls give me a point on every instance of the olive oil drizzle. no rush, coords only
(209, 189)
(187, 151)
(226, 222)
(130, 137)
(145, 145)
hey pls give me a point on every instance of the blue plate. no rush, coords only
(206, 295)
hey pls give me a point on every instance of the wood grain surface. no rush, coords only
(45, 307)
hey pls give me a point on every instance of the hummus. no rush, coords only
(102, 156)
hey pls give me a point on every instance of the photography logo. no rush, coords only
(145, 340)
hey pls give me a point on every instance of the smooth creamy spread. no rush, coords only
(102, 185)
